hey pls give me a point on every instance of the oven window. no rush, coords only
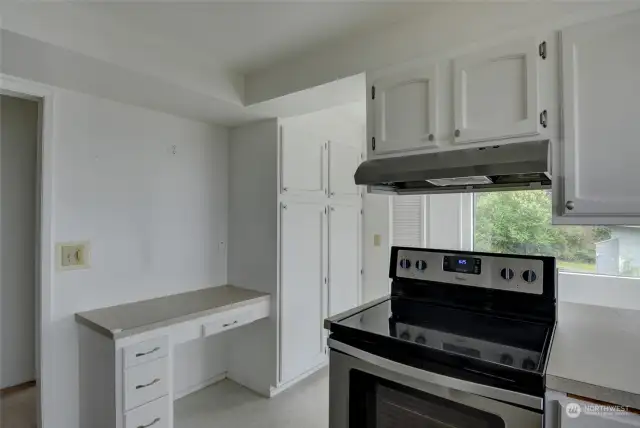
(378, 403)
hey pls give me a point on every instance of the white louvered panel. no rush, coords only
(408, 221)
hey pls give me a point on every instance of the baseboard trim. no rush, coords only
(16, 388)
(273, 391)
(201, 385)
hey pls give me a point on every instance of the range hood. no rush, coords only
(515, 166)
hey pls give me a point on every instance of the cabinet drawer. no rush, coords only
(151, 415)
(146, 351)
(146, 382)
(235, 318)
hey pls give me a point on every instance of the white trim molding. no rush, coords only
(22, 88)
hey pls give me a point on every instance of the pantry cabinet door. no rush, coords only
(343, 162)
(302, 160)
(601, 111)
(496, 93)
(402, 110)
(303, 278)
(344, 257)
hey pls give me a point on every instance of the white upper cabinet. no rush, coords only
(344, 257)
(303, 291)
(343, 162)
(601, 110)
(303, 160)
(496, 93)
(402, 110)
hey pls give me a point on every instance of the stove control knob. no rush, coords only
(421, 265)
(529, 276)
(506, 359)
(507, 274)
(405, 335)
(528, 364)
(405, 263)
(421, 340)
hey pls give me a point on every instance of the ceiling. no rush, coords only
(238, 36)
(201, 51)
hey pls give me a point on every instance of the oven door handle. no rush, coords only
(500, 394)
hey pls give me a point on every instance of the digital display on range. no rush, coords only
(462, 264)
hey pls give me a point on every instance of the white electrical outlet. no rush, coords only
(73, 255)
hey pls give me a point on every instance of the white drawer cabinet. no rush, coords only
(578, 417)
(598, 176)
(235, 318)
(146, 351)
(152, 415)
(146, 382)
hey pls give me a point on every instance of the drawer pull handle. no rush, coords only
(231, 323)
(153, 382)
(142, 354)
(155, 421)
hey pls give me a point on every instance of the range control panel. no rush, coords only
(523, 275)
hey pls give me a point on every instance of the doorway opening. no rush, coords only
(20, 137)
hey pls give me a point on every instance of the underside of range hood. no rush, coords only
(515, 166)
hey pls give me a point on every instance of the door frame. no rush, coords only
(43, 95)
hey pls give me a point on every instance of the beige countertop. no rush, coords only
(596, 353)
(129, 319)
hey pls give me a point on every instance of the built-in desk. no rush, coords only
(126, 351)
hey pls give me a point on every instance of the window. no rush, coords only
(520, 223)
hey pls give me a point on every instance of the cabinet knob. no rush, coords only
(284, 189)
(333, 193)
(431, 137)
(569, 205)
(456, 133)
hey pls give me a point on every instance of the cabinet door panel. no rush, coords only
(343, 162)
(601, 105)
(405, 110)
(344, 258)
(302, 278)
(302, 160)
(496, 93)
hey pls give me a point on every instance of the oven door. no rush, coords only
(367, 391)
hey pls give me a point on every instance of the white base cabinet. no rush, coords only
(295, 232)
(564, 412)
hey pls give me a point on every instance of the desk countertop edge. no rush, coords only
(121, 334)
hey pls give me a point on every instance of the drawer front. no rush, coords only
(151, 415)
(146, 351)
(235, 318)
(146, 382)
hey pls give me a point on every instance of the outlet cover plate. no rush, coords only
(73, 255)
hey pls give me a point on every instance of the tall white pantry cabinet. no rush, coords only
(295, 232)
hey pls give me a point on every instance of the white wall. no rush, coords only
(253, 250)
(18, 144)
(376, 257)
(154, 219)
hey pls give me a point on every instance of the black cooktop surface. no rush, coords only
(510, 342)
(506, 352)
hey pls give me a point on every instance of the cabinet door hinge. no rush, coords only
(373, 92)
(361, 271)
(373, 143)
(361, 211)
(542, 50)
(543, 118)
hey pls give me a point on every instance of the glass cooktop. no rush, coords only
(503, 341)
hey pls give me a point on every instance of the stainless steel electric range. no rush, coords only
(461, 342)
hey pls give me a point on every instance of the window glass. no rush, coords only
(520, 223)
